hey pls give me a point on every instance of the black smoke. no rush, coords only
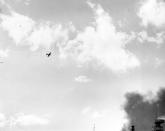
(141, 112)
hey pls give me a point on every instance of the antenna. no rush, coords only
(132, 128)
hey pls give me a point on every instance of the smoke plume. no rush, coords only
(142, 112)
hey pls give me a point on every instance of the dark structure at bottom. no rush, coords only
(157, 125)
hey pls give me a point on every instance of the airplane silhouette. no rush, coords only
(48, 54)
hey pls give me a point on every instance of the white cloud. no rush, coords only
(17, 25)
(28, 120)
(103, 43)
(143, 36)
(152, 12)
(4, 53)
(47, 34)
(100, 42)
(3, 120)
(20, 119)
(93, 113)
(82, 79)
(96, 114)
(25, 31)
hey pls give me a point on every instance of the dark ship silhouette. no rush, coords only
(157, 125)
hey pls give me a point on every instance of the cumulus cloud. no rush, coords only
(82, 79)
(143, 36)
(103, 43)
(99, 42)
(17, 25)
(25, 31)
(21, 119)
(28, 120)
(152, 12)
(45, 35)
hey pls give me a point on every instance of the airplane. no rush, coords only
(49, 54)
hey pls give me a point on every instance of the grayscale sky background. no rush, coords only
(101, 49)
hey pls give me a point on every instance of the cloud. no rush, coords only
(94, 114)
(28, 120)
(143, 36)
(21, 119)
(103, 43)
(4, 53)
(25, 31)
(82, 79)
(99, 42)
(3, 120)
(152, 12)
(97, 114)
(17, 25)
(46, 35)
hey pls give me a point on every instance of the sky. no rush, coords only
(101, 51)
